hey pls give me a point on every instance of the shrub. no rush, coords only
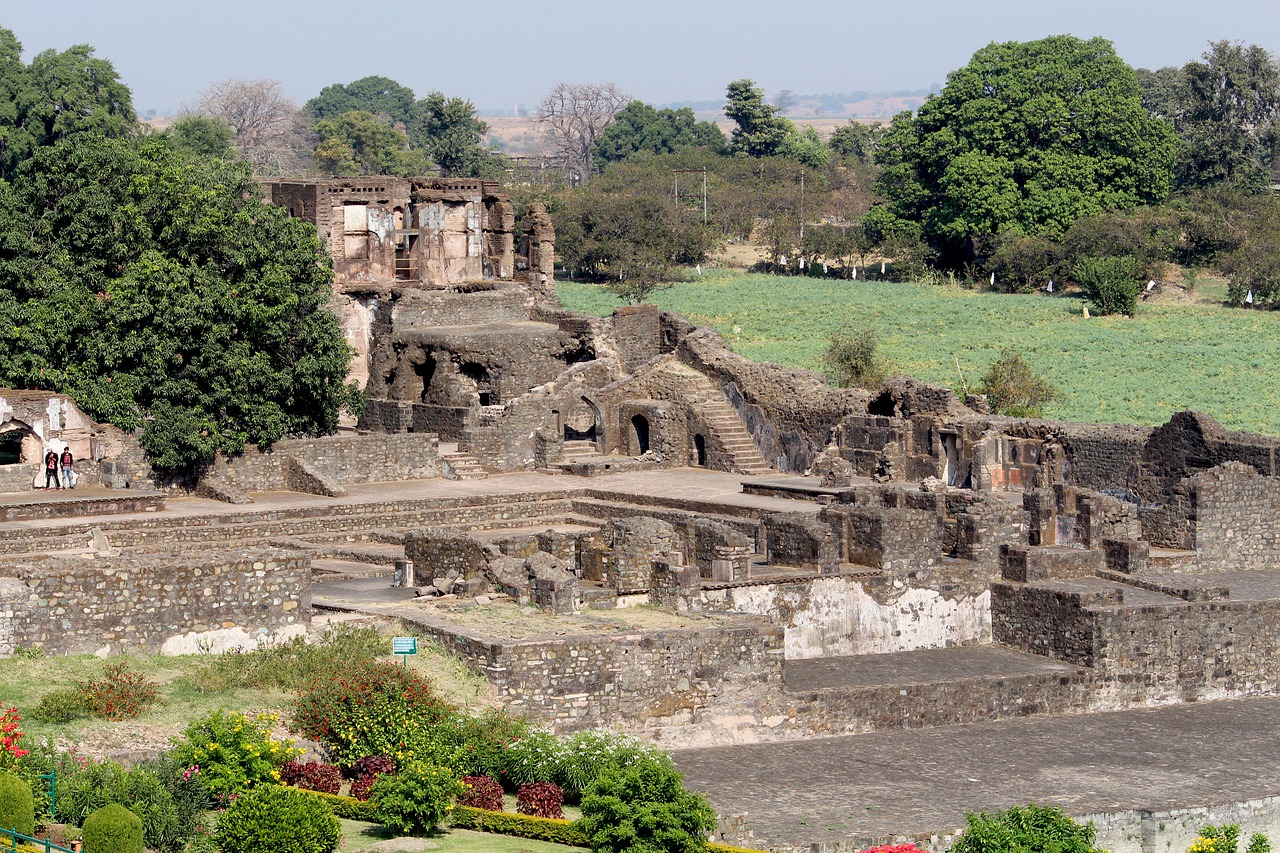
(1226, 839)
(1110, 284)
(536, 757)
(851, 359)
(481, 792)
(416, 798)
(372, 765)
(141, 790)
(540, 799)
(121, 693)
(11, 736)
(589, 753)
(1025, 829)
(472, 745)
(1013, 388)
(17, 804)
(362, 788)
(1024, 264)
(645, 809)
(270, 818)
(112, 829)
(233, 752)
(313, 776)
(291, 664)
(376, 709)
(347, 808)
(61, 706)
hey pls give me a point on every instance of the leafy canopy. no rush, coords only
(1027, 138)
(639, 128)
(161, 293)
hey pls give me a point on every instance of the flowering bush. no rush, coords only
(892, 848)
(415, 799)
(473, 745)
(11, 736)
(234, 752)
(588, 754)
(377, 709)
(121, 693)
(541, 799)
(272, 818)
(482, 792)
(1226, 839)
(536, 757)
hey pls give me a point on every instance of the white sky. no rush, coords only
(499, 53)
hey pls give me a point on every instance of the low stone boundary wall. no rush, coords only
(340, 460)
(211, 602)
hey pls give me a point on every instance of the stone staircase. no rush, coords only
(728, 430)
(462, 466)
(576, 449)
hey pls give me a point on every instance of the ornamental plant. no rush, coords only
(274, 819)
(540, 799)
(113, 829)
(1226, 839)
(234, 752)
(366, 771)
(11, 736)
(588, 754)
(893, 848)
(121, 693)
(536, 757)
(645, 809)
(1025, 829)
(17, 805)
(312, 776)
(378, 708)
(415, 799)
(481, 792)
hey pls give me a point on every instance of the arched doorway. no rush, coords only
(640, 432)
(582, 422)
(700, 450)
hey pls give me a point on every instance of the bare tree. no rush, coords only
(575, 114)
(784, 100)
(270, 131)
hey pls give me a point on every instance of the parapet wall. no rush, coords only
(339, 459)
(213, 601)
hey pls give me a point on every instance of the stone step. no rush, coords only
(463, 466)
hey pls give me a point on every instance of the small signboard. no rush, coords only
(404, 646)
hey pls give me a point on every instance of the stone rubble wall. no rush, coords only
(339, 459)
(168, 605)
(1235, 516)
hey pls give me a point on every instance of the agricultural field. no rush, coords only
(1182, 350)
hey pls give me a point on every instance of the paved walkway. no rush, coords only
(925, 781)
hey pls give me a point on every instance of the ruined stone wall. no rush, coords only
(637, 679)
(157, 604)
(1236, 517)
(1152, 653)
(800, 539)
(897, 541)
(341, 459)
(470, 306)
(637, 333)
(438, 553)
(838, 615)
(20, 477)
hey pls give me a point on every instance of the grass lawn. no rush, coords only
(25, 680)
(1177, 353)
(362, 836)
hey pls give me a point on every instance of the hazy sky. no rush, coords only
(500, 53)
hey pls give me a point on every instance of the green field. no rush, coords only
(1175, 354)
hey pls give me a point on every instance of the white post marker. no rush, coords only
(404, 646)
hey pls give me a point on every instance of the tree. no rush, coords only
(575, 114)
(629, 244)
(58, 95)
(202, 136)
(760, 130)
(163, 295)
(448, 132)
(268, 126)
(784, 100)
(1027, 138)
(1110, 284)
(359, 143)
(851, 358)
(1226, 112)
(856, 141)
(639, 128)
(377, 95)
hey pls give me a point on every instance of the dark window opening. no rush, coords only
(11, 447)
(700, 447)
(426, 372)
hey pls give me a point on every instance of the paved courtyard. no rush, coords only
(925, 781)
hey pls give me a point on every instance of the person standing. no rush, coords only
(67, 461)
(51, 470)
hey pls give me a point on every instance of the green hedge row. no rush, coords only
(519, 825)
(345, 807)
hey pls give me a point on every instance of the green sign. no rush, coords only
(404, 645)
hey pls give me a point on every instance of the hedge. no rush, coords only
(344, 807)
(522, 826)
(540, 828)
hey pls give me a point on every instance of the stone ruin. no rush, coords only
(793, 531)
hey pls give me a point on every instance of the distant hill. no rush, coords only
(860, 104)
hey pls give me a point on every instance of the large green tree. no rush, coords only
(448, 132)
(57, 95)
(1225, 110)
(360, 143)
(377, 95)
(161, 293)
(761, 130)
(1026, 138)
(639, 128)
